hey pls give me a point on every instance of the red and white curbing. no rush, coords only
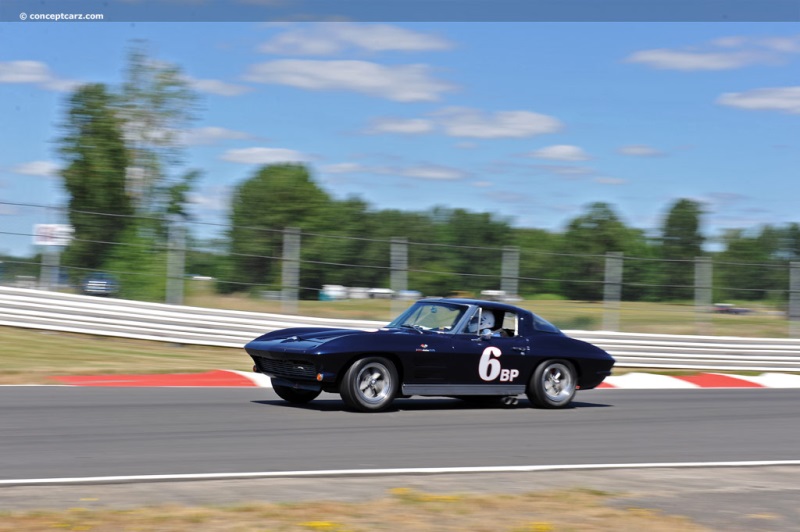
(629, 381)
(652, 381)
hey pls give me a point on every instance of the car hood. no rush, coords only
(310, 340)
(299, 339)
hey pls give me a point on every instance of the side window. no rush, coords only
(510, 324)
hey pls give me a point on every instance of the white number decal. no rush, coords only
(489, 368)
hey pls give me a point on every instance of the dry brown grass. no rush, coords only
(402, 509)
(29, 356)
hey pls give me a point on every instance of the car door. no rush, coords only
(484, 363)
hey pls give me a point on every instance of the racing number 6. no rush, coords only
(489, 366)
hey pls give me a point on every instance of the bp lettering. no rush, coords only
(489, 367)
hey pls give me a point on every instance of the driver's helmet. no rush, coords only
(487, 320)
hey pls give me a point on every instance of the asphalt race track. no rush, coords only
(58, 432)
(54, 432)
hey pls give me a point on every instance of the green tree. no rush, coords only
(157, 104)
(94, 176)
(539, 258)
(754, 264)
(681, 242)
(275, 198)
(586, 241)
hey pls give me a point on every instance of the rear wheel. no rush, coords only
(370, 385)
(294, 395)
(553, 384)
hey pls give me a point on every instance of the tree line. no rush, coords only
(127, 186)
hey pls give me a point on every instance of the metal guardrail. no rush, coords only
(35, 309)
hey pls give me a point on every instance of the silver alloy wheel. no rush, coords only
(374, 383)
(557, 382)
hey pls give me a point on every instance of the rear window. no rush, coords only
(541, 324)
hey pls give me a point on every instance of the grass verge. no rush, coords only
(401, 509)
(29, 356)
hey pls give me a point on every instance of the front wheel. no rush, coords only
(294, 395)
(553, 384)
(370, 384)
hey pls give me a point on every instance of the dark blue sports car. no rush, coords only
(462, 348)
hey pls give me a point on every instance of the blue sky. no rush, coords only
(531, 121)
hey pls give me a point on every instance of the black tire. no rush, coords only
(295, 396)
(370, 384)
(553, 384)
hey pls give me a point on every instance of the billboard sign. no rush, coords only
(52, 234)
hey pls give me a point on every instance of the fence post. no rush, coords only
(702, 293)
(509, 282)
(794, 300)
(290, 270)
(176, 263)
(612, 291)
(51, 261)
(399, 271)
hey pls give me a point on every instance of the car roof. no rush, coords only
(478, 302)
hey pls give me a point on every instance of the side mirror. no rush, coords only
(486, 335)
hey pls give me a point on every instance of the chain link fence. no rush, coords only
(702, 295)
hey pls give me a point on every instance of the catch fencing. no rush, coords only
(36, 309)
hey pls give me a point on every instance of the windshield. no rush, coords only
(430, 317)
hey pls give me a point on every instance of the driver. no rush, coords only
(487, 325)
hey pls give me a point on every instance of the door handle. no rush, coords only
(518, 348)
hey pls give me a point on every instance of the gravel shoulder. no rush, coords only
(720, 498)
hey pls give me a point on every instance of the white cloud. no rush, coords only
(410, 126)
(210, 135)
(466, 145)
(343, 168)
(784, 99)
(24, 72)
(663, 59)
(36, 73)
(566, 171)
(640, 150)
(782, 44)
(723, 199)
(789, 45)
(217, 87)
(403, 83)
(725, 53)
(37, 168)
(212, 198)
(472, 123)
(264, 156)
(560, 152)
(332, 38)
(433, 172)
(615, 181)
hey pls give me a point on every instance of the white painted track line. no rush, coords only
(384, 472)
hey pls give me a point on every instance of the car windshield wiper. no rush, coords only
(419, 328)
